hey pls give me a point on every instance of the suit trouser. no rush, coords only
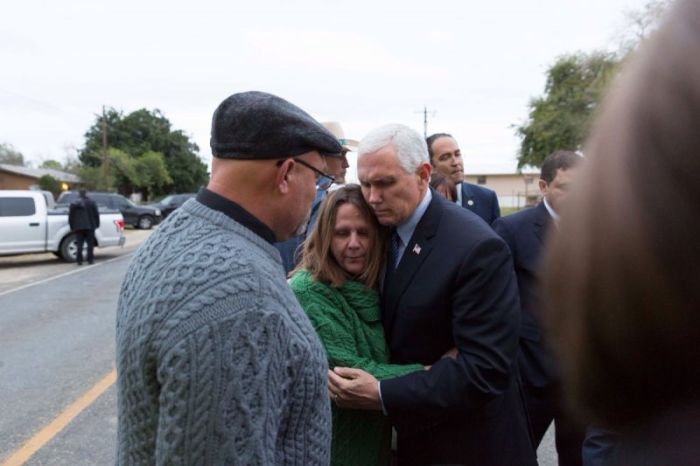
(544, 406)
(83, 236)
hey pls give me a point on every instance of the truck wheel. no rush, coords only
(69, 248)
(145, 222)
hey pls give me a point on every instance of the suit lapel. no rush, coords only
(467, 196)
(417, 250)
(542, 222)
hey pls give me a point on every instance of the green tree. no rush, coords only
(123, 168)
(561, 118)
(51, 164)
(153, 173)
(72, 165)
(11, 156)
(142, 132)
(95, 179)
(145, 173)
(639, 23)
(49, 183)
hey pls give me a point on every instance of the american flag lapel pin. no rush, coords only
(416, 249)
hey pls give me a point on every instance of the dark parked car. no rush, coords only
(139, 216)
(169, 203)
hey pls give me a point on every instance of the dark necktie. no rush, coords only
(394, 246)
(391, 259)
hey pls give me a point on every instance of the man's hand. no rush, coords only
(353, 388)
(453, 353)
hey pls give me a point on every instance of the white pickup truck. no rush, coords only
(29, 223)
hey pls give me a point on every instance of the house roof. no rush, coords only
(39, 172)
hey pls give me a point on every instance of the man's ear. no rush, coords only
(424, 171)
(282, 175)
(543, 186)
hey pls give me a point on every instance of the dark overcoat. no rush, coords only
(83, 215)
(482, 201)
(525, 233)
(455, 287)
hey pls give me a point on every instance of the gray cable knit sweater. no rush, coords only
(217, 363)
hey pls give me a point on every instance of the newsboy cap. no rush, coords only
(257, 125)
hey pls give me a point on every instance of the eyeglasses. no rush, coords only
(323, 180)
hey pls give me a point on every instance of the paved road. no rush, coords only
(56, 343)
(23, 269)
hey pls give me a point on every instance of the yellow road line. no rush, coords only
(31, 446)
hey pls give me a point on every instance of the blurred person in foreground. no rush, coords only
(217, 362)
(448, 283)
(623, 273)
(336, 284)
(526, 233)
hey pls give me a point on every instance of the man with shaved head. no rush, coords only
(217, 362)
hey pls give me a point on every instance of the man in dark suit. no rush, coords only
(525, 233)
(449, 283)
(84, 219)
(446, 157)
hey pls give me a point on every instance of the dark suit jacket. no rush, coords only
(482, 201)
(83, 215)
(525, 233)
(455, 287)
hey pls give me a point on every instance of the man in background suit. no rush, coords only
(446, 157)
(449, 283)
(525, 232)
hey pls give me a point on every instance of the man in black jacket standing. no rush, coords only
(525, 232)
(84, 219)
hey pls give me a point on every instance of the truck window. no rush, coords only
(122, 202)
(66, 198)
(101, 199)
(17, 207)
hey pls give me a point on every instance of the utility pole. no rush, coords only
(425, 120)
(104, 149)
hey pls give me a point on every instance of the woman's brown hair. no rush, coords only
(317, 256)
(622, 275)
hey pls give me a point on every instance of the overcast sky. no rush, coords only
(475, 65)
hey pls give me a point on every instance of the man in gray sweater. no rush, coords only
(216, 361)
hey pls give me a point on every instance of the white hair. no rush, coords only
(410, 146)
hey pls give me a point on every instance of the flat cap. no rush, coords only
(257, 125)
